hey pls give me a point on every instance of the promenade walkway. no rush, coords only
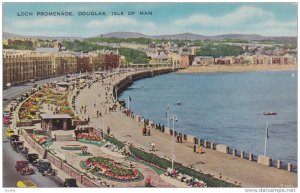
(226, 167)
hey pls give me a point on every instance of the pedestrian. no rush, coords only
(177, 139)
(97, 113)
(148, 132)
(100, 114)
(180, 138)
(94, 104)
(152, 145)
(88, 119)
(101, 133)
(195, 148)
(108, 130)
(200, 148)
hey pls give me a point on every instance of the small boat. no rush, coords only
(270, 113)
(293, 75)
(178, 103)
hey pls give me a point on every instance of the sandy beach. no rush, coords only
(249, 68)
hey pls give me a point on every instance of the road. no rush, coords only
(10, 175)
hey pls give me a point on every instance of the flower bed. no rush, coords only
(72, 147)
(41, 137)
(29, 108)
(91, 136)
(110, 169)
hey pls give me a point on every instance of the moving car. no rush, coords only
(26, 184)
(9, 132)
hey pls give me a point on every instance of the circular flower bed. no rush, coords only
(108, 168)
(72, 147)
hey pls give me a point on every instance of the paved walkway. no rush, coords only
(227, 167)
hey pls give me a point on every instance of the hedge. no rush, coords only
(114, 141)
(163, 163)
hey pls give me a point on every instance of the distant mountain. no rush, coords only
(9, 35)
(183, 36)
(191, 36)
(124, 35)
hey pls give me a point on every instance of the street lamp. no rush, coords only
(168, 115)
(173, 156)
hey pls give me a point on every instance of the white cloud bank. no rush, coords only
(245, 19)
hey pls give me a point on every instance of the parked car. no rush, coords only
(17, 146)
(26, 184)
(23, 167)
(70, 182)
(6, 121)
(9, 132)
(32, 158)
(45, 168)
(14, 138)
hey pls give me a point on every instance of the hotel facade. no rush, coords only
(21, 65)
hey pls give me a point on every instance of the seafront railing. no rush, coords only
(264, 160)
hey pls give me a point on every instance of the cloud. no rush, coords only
(44, 23)
(245, 19)
(240, 15)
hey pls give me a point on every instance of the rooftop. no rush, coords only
(49, 50)
(55, 116)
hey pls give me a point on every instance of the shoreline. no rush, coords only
(223, 68)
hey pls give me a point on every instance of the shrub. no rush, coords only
(114, 141)
(163, 163)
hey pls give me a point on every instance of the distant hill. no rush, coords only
(124, 35)
(183, 36)
(191, 36)
(9, 35)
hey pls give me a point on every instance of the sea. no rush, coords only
(225, 108)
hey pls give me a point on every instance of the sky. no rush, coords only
(269, 19)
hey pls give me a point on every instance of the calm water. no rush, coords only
(226, 108)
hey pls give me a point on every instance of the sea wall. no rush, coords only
(223, 148)
(127, 81)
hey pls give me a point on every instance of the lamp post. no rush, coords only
(173, 156)
(168, 114)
